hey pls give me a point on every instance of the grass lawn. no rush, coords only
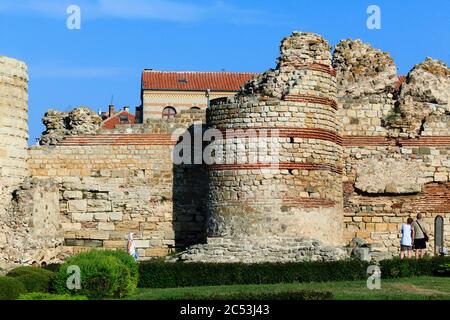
(420, 288)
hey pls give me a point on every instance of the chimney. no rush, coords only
(111, 111)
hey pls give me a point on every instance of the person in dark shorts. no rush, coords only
(420, 235)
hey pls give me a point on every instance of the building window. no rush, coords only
(169, 113)
(195, 108)
(123, 118)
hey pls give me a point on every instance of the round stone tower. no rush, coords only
(279, 179)
(13, 121)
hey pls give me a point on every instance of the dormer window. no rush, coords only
(124, 118)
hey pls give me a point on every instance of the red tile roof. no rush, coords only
(111, 123)
(194, 81)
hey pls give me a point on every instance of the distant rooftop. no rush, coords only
(194, 81)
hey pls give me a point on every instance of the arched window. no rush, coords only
(438, 234)
(195, 108)
(169, 113)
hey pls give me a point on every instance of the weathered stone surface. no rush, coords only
(94, 196)
(300, 48)
(73, 195)
(390, 176)
(363, 70)
(251, 250)
(362, 254)
(77, 206)
(59, 124)
(32, 225)
(423, 98)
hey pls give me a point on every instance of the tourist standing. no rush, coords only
(420, 236)
(406, 244)
(131, 247)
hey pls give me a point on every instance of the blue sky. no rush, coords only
(119, 38)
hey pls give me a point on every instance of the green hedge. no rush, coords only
(104, 274)
(48, 296)
(407, 268)
(158, 274)
(34, 279)
(443, 269)
(131, 281)
(11, 288)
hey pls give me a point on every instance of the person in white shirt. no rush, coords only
(131, 248)
(406, 244)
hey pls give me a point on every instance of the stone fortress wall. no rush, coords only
(396, 139)
(114, 183)
(360, 152)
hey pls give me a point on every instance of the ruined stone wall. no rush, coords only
(13, 121)
(13, 138)
(113, 184)
(302, 197)
(396, 141)
(353, 151)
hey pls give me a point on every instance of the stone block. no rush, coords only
(142, 243)
(441, 177)
(102, 216)
(363, 234)
(119, 244)
(94, 205)
(99, 235)
(148, 226)
(71, 226)
(157, 252)
(82, 217)
(93, 243)
(116, 216)
(381, 227)
(106, 226)
(74, 242)
(73, 195)
(77, 206)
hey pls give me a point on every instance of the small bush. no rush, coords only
(34, 279)
(407, 268)
(48, 296)
(130, 263)
(11, 288)
(443, 270)
(103, 274)
(158, 274)
(54, 267)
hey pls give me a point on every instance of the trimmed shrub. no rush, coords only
(11, 288)
(48, 296)
(34, 279)
(443, 270)
(158, 274)
(103, 274)
(130, 263)
(407, 268)
(54, 267)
